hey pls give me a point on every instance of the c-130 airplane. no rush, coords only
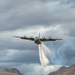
(37, 40)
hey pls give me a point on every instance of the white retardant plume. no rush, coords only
(44, 52)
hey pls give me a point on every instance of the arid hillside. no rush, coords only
(10, 71)
(7, 73)
(64, 71)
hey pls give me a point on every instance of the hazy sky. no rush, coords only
(54, 18)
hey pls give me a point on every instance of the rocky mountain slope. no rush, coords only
(10, 71)
(64, 71)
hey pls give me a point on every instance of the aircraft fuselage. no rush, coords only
(37, 40)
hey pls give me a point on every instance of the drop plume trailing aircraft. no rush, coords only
(37, 40)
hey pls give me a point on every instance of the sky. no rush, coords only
(52, 18)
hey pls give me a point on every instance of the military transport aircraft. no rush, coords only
(37, 40)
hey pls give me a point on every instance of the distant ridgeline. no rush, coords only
(64, 71)
(10, 71)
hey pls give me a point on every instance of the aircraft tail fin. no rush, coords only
(39, 35)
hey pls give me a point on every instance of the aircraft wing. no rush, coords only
(25, 37)
(49, 39)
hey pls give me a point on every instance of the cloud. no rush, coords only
(71, 3)
(53, 18)
(25, 51)
(64, 53)
(22, 14)
(26, 56)
(16, 15)
(7, 41)
(27, 68)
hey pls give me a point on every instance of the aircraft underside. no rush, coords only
(37, 41)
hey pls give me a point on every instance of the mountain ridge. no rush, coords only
(10, 71)
(64, 71)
